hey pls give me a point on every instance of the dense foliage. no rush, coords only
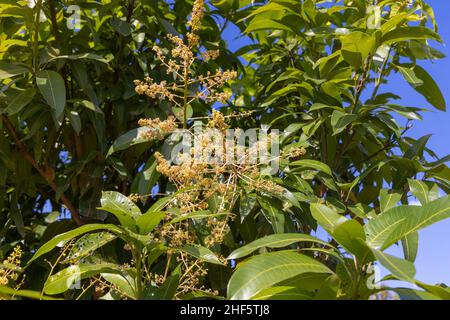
(93, 92)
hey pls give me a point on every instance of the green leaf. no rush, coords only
(265, 270)
(201, 253)
(121, 26)
(89, 55)
(124, 284)
(266, 24)
(274, 241)
(329, 289)
(169, 287)
(402, 269)
(20, 101)
(388, 199)
(149, 220)
(62, 238)
(440, 291)
(313, 164)
(247, 203)
(273, 213)
(410, 245)
(51, 86)
(75, 120)
(326, 217)
(410, 76)
(350, 234)
(283, 293)
(145, 180)
(16, 215)
(131, 138)
(412, 294)
(67, 278)
(340, 120)
(409, 33)
(8, 70)
(119, 205)
(429, 89)
(88, 243)
(423, 191)
(356, 47)
(196, 215)
(398, 222)
(4, 290)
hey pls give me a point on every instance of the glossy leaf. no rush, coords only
(64, 237)
(120, 206)
(67, 278)
(201, 253)
(265, 270)
(51, 85)
(148, 221)
(398, 222)
(274, 241)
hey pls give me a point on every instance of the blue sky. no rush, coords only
(433, 260)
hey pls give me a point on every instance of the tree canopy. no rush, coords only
(95, 97)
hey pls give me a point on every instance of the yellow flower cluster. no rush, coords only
(295, 152)
(210, 55)
(157, 129)
(187, 86)
(197, 15)
(8, 271)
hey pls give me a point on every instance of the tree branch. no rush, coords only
(46, 172)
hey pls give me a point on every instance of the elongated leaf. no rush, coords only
(437, 290)
(131, 138)
(90, 56)
(4, 290)
(121, 26)
(8, 70)
(75, 120)
(146, 179)
(429, 89)
(67, 278)
(313, 164)
(409, 33)
(340, 120)
(398, 222)
(410, 245)
(274, 241)
(196, 215)
(63, 237)
(412, 294)
(265, 270)
(88, 243)
(120, 206)
(16, 215)
(169, 287)
(388, 199)
(350, 234)
(410, 76)
(424, 192)
(356, 46)
(20, 101)
(148, 221)
(201, 253)
(51, 86)
(273, 213)
(402, 269)
(283, 293)
(124, 284)
(266, 24)
(326, 217)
